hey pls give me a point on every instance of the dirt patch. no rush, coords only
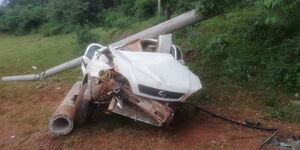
(27, 115)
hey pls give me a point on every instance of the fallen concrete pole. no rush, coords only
(62, 121)
(21, 77)
(62, 67)
(166, 27)
(52, 71)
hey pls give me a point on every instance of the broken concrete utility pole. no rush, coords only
(49, 72)
(62, 121)
(169, 26)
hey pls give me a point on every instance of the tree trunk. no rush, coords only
(168, 12)
(158, 7)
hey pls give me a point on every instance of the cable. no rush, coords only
(275, 131)
(105, 75)
(232, 121)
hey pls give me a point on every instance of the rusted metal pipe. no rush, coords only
(62, 121)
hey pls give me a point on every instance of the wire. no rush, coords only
(105, 75)
(274, 130)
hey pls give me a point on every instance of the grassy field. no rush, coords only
(19, 53)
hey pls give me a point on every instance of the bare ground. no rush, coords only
(25, 110)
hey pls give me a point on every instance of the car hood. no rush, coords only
(158, 71)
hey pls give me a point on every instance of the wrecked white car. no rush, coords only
(139, 80)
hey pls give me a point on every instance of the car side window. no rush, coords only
(172, 52)
(91, 51)
(178, 53)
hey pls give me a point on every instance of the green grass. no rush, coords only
(19, 53)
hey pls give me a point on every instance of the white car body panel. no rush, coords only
(159, 71)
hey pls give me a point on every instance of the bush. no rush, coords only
(116, 18)
(127, 13)
(241, 69)
(50, 28)
(279, 20)
(285, 64)
(22, 19)
(184, 5)
(85, 37)
(145, 8)
(281, 12)
(216, 46)
(2, 11)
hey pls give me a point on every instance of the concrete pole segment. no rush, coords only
(166, 27)
(52, 71)
(21, 78)
(62, 67)
(62, 121)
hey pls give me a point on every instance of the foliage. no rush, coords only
(279, 20)
(15, 3)
(56, 15)
(278, 28)
(116, 18)
(50, 28)
(127, 13)
(85, 37)
(2, 11)
(145, 8)
(216, 46)
(281, 12)
(63, 16)
(71, 11)
(213, 7)
(285, 64)
(182, 5)
(22, 19)
(210, 6)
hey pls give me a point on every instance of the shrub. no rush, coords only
(241, 69)
(145, 8)
(116, 18)
(285, 64)
(85, 37)
(2, 11)
(50, 28)
(216, 46)
(22, 19)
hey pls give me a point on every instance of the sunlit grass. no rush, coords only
(19, 53)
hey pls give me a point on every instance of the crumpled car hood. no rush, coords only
(157, 71)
